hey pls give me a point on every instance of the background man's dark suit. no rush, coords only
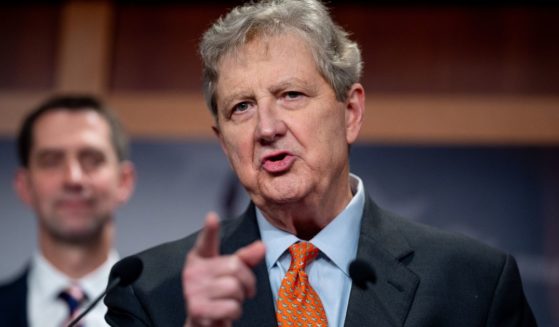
(425, 277)
(13, 302)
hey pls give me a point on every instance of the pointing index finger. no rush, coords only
(207, 243)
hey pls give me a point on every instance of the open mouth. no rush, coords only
(278, 162)
(277, 157)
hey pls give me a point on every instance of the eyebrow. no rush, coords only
(236, 95)
(48, 150)
(41, 154)
(289, 82)
(286, 83)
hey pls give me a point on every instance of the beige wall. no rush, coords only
(433, 75)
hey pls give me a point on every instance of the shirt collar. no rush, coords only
(338, 240)
(48, 281)
(96, 281)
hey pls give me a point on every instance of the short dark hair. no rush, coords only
(72, 103)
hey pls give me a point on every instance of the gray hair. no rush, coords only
(337, 57)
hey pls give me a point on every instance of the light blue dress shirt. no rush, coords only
(328, 273)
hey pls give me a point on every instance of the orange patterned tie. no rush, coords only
(298, 303)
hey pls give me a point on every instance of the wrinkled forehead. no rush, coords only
(264, 47)
(266, 61)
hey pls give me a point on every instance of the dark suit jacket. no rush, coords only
(425, 277)
(13, 302)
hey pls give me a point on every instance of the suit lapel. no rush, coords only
(22, 299)
(13, 302)
(258, 311)
(387, 301)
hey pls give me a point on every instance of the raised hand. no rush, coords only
(215, 286)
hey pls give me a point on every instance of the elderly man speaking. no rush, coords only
(282, 82)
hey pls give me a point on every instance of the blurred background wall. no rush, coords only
(461, 130)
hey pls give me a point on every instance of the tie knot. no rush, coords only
(74, 296)
(301, 254)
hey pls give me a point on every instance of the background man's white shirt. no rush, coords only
(45, 282)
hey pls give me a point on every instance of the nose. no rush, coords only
(73, 173)
(270, 125)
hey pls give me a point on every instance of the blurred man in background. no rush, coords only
(74, 173)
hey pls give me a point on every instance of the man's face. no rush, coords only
(279, 122)
(74, 181)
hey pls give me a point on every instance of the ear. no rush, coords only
(127, 181)
(219, 136)
(22, 186)
(355, 111)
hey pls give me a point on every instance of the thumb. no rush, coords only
(252, 254)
